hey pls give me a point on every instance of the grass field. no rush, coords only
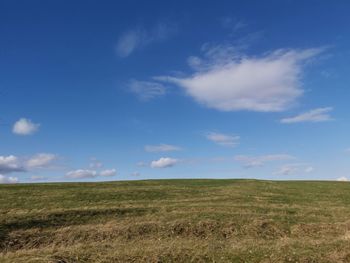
(175, 221)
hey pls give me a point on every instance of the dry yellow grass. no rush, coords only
(176, 221)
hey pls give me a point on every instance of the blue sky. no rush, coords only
(124, 90)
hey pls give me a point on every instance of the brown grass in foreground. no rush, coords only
(176, 221)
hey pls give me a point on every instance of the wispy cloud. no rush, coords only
(81, 174)
(227, 80)
(223, 139)
(315, 115)
(296, 168)
(140, 37)
(41, 160)
(89, 173)
(108, 172)
(25, 127)
(232, 24)
(146, 90)
(256, 161)
(164, 162)
(162, 148)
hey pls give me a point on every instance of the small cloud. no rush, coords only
(162, 148)
(8, 180)
(223, 139)
(146, 90)
(164, 162)
(81, 173)
(342, 179)
(25, 127)
(135, 174)
(135, 39)
(315, 115)
(108, 172)
(256, 161)
(41, 160)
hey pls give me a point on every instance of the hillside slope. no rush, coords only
(176, 221)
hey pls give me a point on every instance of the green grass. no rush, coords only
(175, 221)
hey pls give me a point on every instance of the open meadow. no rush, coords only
(176, 221)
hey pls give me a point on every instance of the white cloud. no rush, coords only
(138, 38)
(164, 162)
(146, 90)
(81, 173)
(162, 148)
(255, 161)
(223, 139)
(25, 127)
(41, 160)
(135, 174)
(342, 179)
(8, 180)
(315, 115)
(230, 81)
(108, 172)
(9, 164)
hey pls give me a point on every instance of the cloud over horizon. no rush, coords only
(8, 180)
(256, 161)
(81, 174)
(295, 168)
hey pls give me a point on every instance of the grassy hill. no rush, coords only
(175, 221)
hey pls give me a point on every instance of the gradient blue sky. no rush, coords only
(122, 90)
